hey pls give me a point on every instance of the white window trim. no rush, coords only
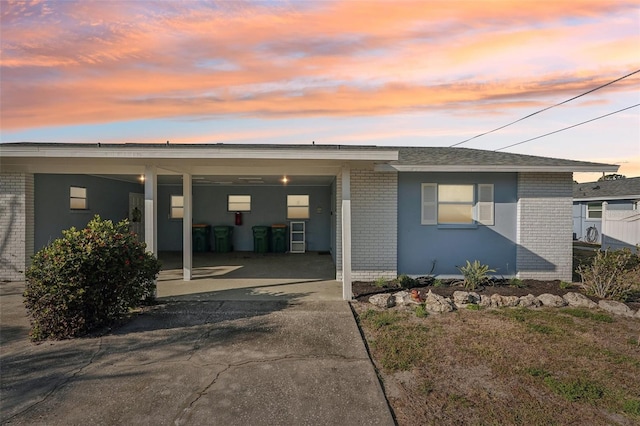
(72, 197)
(308, 215)
(236, 203)
(483, 211)
(172, 207)
(594, 207)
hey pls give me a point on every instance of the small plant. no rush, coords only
(405, 281)
(516, 282)
(88, 279)
(421, 312)
(380, 282)
(565, 285)
(473, 307)
(610, 275)
(475, 274)
(438, 283)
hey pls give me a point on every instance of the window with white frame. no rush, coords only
(297, 206)
(594, 211)
(457, 204)
(78, 198)
(239, 203)
(177, 207)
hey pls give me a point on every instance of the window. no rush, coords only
(77, 198)
(239, 203)
(465, 204)
(298, 206)
(594, 211)
(177, 207)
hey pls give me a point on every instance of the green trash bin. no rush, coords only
(279, 238)
(201, 237)
(260, 239)
(222, 236)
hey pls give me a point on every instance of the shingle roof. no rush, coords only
(409, 158)
(628, 188)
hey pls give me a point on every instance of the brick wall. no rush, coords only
(374, 225)
(544, 226)
(16, 224)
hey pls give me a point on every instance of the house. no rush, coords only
(379, 211)
(621, 194)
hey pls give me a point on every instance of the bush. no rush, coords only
(405, 281)
(88, 279)
(475, 274)
(611, 274)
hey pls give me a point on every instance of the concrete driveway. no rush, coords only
(281, 358)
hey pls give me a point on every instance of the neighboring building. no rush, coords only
(621, 194)
(379, 211)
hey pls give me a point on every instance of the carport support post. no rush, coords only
(151, 209)
(346, 233)
(187, 246)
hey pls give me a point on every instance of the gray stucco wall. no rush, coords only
(268, 207)
(438, 250)
(108, 198)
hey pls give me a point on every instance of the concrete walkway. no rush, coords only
(198, 358)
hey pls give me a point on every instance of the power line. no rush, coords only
(566, 128)
(545, 109)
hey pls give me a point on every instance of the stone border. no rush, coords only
(462, 299)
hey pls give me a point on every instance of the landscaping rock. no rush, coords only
(616, 308)
(552, 300)
(578, 300)
(382, 300)
(463, 298)
(499, 301)
(485, 301)
(637, 315)
(404, 298)
(436, 303)
(529, 301)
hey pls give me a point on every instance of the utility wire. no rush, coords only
(545, 109)
(566, 128)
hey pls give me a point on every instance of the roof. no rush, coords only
(621, 189)
(466, 159)
(390, 158)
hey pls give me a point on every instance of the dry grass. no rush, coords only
(509, 366)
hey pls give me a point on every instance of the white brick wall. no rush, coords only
(16, 224)
(374, 223)
(544, 226)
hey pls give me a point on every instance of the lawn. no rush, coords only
(506, 366)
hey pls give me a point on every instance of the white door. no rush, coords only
(136, 214)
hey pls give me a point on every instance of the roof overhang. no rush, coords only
(606, 198)
(177, 159)
(499, 168)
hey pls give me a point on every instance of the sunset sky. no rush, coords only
(423, 73)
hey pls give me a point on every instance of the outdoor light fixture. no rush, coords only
(141, 178)
(284, 180)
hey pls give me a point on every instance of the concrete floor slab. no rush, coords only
(280, 358)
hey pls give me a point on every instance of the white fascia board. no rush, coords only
(507, 168)
(189, 152)
(618, 197)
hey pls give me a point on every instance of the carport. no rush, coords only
(194, 167)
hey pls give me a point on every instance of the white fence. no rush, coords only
(620, 228)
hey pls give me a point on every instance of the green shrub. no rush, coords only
(516, 282)
(87, 279)
(565, 285)
(475, 274)
(438, 283)
(405, 281)
(611, 274)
